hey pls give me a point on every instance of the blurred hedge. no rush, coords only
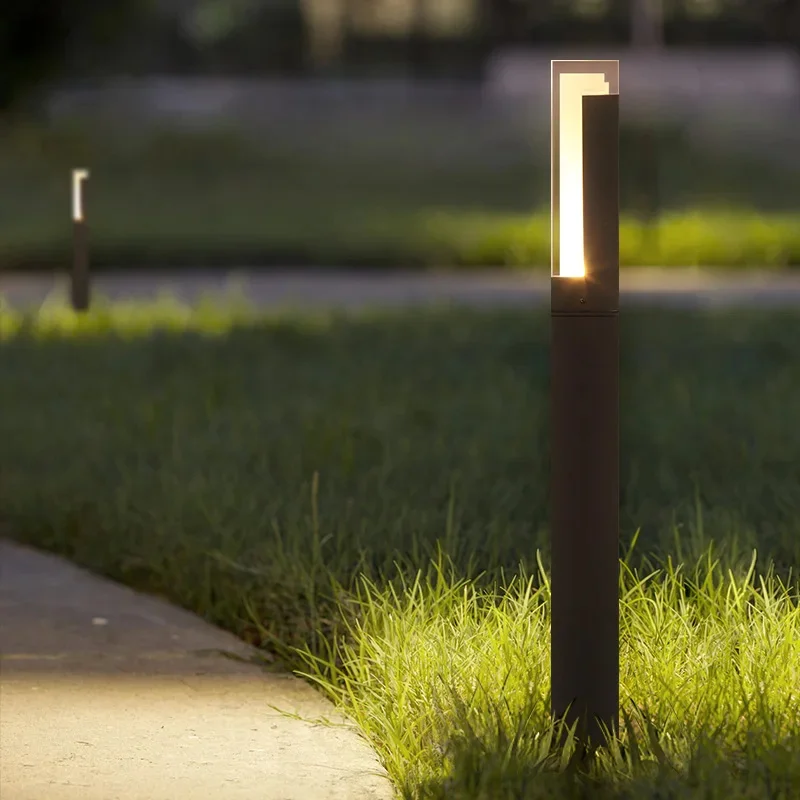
(390, 197)
(437, 239)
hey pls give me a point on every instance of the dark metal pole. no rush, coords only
(585, 448)
(79, 288)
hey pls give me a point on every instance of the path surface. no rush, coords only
(350, 289)
(109, 695)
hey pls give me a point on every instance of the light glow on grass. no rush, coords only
(456, 679)
(128, 318)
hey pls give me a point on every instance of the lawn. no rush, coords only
(420, 192)
(364, 498)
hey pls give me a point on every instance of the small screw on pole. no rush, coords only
(79, 289)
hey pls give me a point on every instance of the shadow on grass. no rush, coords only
(481, 772)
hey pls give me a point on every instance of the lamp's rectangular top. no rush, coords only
(606, 67)
(585, 185)
(78, 177)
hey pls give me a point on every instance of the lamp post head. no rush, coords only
(78, 176)
(585, 186)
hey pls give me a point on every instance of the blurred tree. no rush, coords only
(419, 51)
(647, 23)
(327, 22)
(33, 47)
(246, 37)
(784, 24)
(41, 41)
(784, 21)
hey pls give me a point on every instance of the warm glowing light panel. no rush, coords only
(571, 82)
(78, 176)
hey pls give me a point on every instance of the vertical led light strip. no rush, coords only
(571, 91)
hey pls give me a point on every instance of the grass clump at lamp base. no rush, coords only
(450, 683)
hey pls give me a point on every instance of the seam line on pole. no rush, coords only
(584, 313)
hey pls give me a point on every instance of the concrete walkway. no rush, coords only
(354, 289)
(110, 695)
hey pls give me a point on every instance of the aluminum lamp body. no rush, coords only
(585, 397)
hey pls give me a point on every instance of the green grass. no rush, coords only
(370, 194)
(364, 497)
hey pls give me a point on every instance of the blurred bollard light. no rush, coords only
(80, 242)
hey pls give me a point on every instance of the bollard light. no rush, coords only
(584, 297)
(79, 289)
